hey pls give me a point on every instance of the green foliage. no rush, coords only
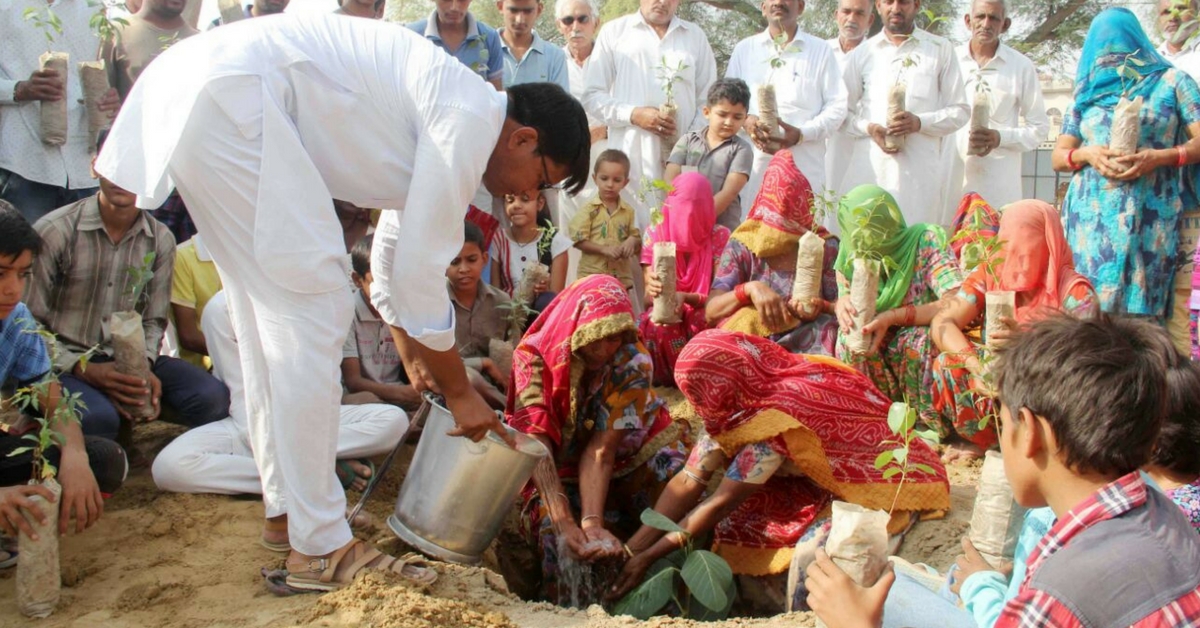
(139, 278)
(824, 204)
(653, 194)
(704, 589)
(107, 30)
(1128, 71)
(546, 237)
(987, 251)
(868, 238)
(902, 421)
(670, 75)
(45, 20)
(929, 20)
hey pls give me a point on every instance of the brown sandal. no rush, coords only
(318, 574)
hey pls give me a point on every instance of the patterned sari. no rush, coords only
(552, 395)
(822, 421)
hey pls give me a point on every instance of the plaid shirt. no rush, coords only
(1038, 609)
(81, 277)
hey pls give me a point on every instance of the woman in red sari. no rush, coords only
(690, 222)
(581, 386)
(794, 433)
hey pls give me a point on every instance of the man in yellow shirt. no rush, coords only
(195, 282)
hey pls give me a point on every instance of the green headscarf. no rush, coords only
(869, 212)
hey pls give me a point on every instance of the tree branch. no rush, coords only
(1046, 29)
(741, 6)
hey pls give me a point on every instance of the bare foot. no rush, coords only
(353, 474)
(962, 452)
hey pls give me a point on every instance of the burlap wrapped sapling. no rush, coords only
(996, 519)
(864, 291)
(664, 308)
(768, 108)
(54, 112)
(999, 304)
(897, 97)
(231, 11)
(670, 75)
(39, 579)
(981, 113)
(810, 263)
(129, 338)
(1126, 126)
(93, 76)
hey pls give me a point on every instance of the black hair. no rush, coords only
(734, 91)
(100, 137)
(563, 135)
(16, 234)
(613, 156)
(472, 233)
(360, 255)
(1099, 382)
(1178, 445)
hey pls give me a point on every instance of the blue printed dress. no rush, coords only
(1125, 234)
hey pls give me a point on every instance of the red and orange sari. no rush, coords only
(824, 418)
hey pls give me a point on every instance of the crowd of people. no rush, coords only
(319, 218)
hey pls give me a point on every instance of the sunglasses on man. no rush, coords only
(569, 20)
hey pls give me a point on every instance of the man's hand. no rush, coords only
(80, 493)
(121, 388)
(904, 123)
(110, 103)
(45, 85)
(649, 119)
(972, 562)
(983, 141)
(474, 418)
(598, 133)
(14, 499)
(491, 370)
(879, 135)
(419, 375)
(841, 603)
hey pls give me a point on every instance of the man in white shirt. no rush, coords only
(635, 57)
(935, 108)
(527, 57)
(846, 155)
(1180, 28)
(809, 92)
(988, 161)
(239, 121)
(38, 178)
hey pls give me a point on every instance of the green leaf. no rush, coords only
(19, 450)
(884, 459)
(699, 612)
(706, 576)
(910, 420)
(649, 597)
(901, 455)
(929, 436)
(896, 417)
(891, 472)
(924, 468)
(659, 521)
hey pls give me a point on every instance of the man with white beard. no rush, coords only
(846, 164)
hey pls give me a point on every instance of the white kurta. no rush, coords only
(846, 161)
(1187, 59)
(625, 72)
(916, 175)
(810, 95)
(260, 124)
(1017, 112)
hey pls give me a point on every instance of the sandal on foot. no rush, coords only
(318, 574)
(347, 475)
(279, 548)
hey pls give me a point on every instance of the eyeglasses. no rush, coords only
(569, 20)
(546, 184)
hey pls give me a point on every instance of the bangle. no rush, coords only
(1182, 161)
(699, 480)
(1071, 162)
(701, 299)
(682, 538)
(740, 293)
(628, 552)
(910, 315)
(584, 519)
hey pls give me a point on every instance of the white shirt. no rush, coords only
(21, 43)
(809, 93)
(1014, 94)
(577, 77)
(376, 108)
(1187, 59)
(916, 175)
(624, 74)
(846, 163)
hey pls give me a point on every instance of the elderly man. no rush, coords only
(1179, 23)
(527, 57)
(988, 161)
(638, 60)
(238, 120)
(809, 93)
(157, 25)
(846, 162)
(935, 108)
(454, 29)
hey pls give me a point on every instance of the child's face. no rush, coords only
(465, 270)
(14, 274)
(725, 119)
(362, 282)
(611, 178)
(1021, 471)
(522, 209)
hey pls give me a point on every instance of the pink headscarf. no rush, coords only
(1037, 259)
(688, 220)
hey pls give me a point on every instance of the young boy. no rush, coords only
(1081, 404)
(371, 369)
(604, 229)
(717, 152)
(87, 466)
(478, 316)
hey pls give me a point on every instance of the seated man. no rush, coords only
(88, 467)
(371, 370)
(193, 282)
(81, 278)
(217, 458)
(479, 311)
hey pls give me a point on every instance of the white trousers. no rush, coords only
(217, 458)
(233, 176)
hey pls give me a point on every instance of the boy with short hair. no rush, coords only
(371, 368)
(604, 229)
(1081, 404)
(478, 316)
(717, 151)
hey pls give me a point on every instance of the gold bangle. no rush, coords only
(628, 552)
(583, 520)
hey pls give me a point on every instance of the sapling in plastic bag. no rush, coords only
(663, 311)
(39, 579)
(999, 304)
(93, 76)
(1126, 126)
(858, 542)
(231, 11)
(864, 291)
(997, 519)
(669, 110)
(981, 112)
(54, 113)
(129, 354)
(897, 96)
(810, 264)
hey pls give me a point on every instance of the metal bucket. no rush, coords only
(457, 493)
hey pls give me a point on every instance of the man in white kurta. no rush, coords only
(259, 125)
(809, 92)
(1018, 120)
(935, 108)
(846, 163)
(1179, 23)
(633, 59)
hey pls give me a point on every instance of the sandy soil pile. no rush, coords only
(181, 561)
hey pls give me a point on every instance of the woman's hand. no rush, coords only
(845, 313)
(769, 304)
(1136, 165)
(577, 542)
(631, 575)
(653, 285)
(1102, 158)
(603, 541)
(806, 309)
(1008, 326)
(878, 328)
